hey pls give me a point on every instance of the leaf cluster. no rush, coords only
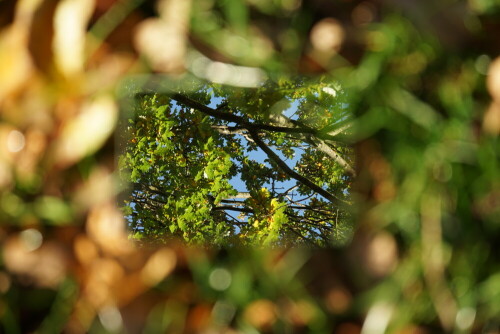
(255, 153)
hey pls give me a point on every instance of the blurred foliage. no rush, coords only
(423, 81)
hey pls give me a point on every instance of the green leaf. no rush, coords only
(53, 209)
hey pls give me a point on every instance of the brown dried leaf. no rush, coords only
(104, 274)
(159, 265)
(85, 250)
(338, 299)
(43, 266)
(493, 80)
(106, 226)
(491, 119)
(261, 313)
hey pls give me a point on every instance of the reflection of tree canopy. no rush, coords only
(197, 174)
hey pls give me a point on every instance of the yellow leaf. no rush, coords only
(88, 131)
(15, 62)
(70, 25)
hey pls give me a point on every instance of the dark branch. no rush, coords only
(297, 127)
(290, 172)
(232, 208)
(253, 129)
(242, 121)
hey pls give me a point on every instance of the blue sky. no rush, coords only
(260, 156)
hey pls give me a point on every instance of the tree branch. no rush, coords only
(232, 208)
(229, 130)
(253, 129)
(290, 172)
(319, 143)
(242, 195)
(240, 120)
